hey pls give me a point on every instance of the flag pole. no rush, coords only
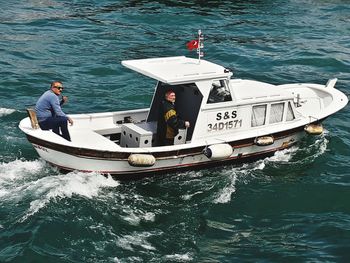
(200, 45)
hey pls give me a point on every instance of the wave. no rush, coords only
(4, 111)
(137, 241)
(251, 170)
(60, 186)
(237, 173)
(33, 183)
(319, 147)
(179, 257)
(225, 194)
(135, 216)
(17, 170)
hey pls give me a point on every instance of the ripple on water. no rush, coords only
(5, 111)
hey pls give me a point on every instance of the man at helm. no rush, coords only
(169, 122)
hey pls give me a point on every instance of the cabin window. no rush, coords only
(276, 112)
(219, 92)
(290, 113)
(259, 115)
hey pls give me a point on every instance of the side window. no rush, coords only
(219, 92)
(290, 113)
(259, 115)
(276, 112)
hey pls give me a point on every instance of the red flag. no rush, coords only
(192, 44)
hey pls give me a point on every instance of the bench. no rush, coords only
(89, 139)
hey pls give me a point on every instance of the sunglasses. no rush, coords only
(59, 88)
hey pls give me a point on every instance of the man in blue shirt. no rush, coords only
(49, 113)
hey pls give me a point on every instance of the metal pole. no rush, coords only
(199, 46)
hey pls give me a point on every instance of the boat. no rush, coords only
(232, 121)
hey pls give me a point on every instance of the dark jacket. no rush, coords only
(168, 122)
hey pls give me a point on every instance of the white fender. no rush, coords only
(264, 140)
(314, 129)
(218, 151)
(141, 160)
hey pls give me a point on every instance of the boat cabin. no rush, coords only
(206, 96)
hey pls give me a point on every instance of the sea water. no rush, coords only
(292, 207)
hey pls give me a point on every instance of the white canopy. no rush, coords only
(175, 70)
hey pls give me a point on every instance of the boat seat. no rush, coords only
(33, 120)
(86, 138)
(109, 130)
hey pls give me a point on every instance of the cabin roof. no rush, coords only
(250, 89)
(175, 70)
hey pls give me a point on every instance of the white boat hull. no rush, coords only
(120, 167)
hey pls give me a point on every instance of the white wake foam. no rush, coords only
(22, 180)
(4, 111)
(19, 169)
(60, 186)
(189, 196)
(224, 196)
(282, 156)
(321, 145)
(179, 257)
(134, 216)
(137, 239)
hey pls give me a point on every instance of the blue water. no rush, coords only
(292, 207)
